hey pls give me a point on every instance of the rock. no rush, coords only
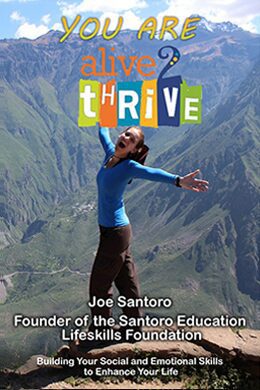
(168, 349)
(250, 347)
(161, 349)
(157, 348)
(243, 345)
(29, 366)
(221, 341)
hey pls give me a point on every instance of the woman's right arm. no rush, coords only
(105, 140)
(156, 174)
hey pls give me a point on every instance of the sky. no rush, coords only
(33, 18)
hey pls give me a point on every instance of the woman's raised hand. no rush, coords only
(190, 183)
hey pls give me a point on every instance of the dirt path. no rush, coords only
(46, 272)
(7, 278)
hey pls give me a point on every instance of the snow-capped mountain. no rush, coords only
(215, 27)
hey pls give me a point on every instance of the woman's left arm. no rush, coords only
(156, 174)
(188, 182)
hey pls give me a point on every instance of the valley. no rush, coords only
(199, 251)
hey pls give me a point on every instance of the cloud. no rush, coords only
(249, 26)
(71, 10)
(131, 21)
(57, 27)
(31, 31)
(239, 12)
(17, 17)
(46, 19)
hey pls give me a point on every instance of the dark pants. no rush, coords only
(114, 263)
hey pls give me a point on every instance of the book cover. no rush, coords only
(129, 194)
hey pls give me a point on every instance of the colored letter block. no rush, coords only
(108, 104)
(169, 101)
(88, 103)
(129, 103)
(190, 103)
(149, 112)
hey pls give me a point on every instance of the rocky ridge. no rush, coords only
(220, 348)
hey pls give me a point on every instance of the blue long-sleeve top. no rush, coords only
(112, 182)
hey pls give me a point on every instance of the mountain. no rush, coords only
(199, 249)
(44, 155)
(211, 241)
(226, 27)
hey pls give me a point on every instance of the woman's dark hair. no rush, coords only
(142, 149)
(140, 155)
(141, 135)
